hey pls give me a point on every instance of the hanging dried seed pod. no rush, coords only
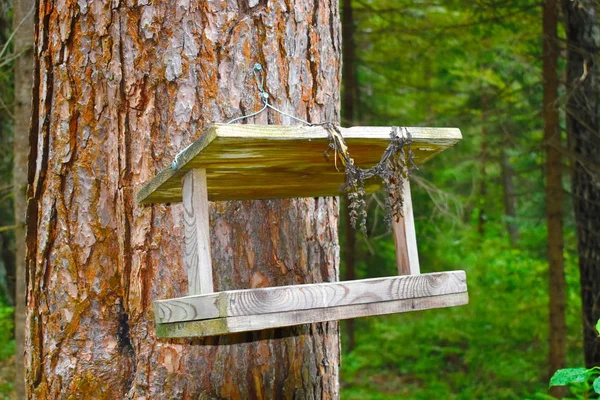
(396, 165)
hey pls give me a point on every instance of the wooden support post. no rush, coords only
(407, 256)
(197, 258)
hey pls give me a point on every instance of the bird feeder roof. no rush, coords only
(245, 162)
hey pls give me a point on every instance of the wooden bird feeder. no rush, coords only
(243, 162)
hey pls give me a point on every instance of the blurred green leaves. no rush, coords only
(476, 66)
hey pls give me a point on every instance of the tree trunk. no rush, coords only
(350, 85)
(583, 127)
(119, 89)
(349, 269)
(350, 80)
(23, 44)
(7, 284)
(554, 192)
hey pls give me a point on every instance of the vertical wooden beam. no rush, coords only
(405, 239)
(196, 258)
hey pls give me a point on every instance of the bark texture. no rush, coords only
(23, 44)
(583, 127)
(554, 194)
(120, 87)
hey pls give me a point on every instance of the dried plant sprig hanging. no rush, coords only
(394, 167)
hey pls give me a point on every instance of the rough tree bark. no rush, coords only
(23, 44)
(554, 193)
(120, 87)
(583, 128)
(350, 85)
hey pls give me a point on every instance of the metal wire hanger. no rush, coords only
(264, 97)
(258, 72)
(337, 142)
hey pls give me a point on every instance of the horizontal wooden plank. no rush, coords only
(308, 296)
(246, 162)
(221, 326)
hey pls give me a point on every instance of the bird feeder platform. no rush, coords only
(247, 162)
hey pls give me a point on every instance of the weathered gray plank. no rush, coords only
(405, 238)
(309, 296)
(220, 326)
(196, 257)
(269, 161)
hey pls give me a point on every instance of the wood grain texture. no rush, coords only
(308, 296)
(405, 238)
(196, 257)
(221, 326)
(246, 162)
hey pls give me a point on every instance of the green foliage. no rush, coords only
(477, 66)
(7, 343)
(573, 376)
(494, 348)
(570, 375)
(579, 380)
(7, 351)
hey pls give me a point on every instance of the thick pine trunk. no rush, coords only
(120, 88)
(23, 43)
(554, 193)
(583, 127)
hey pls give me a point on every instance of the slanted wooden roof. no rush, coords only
(245, 162)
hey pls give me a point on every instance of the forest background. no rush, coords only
(480, 206)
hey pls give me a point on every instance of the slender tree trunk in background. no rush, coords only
(7, 284)
(350, 80)
(508, 186)
(350, 85)
(23, 44)
(120, 88)
(350, 269)
(583, 127)
(554, 192)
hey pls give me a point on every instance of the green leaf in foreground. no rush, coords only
(569, 375)
(598, 327)
(596, 385)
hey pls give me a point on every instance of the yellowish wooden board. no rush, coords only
(245, 162)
